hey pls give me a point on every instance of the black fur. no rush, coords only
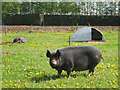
(78, 58)
(19, 39)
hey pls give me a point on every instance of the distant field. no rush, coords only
(26, 65)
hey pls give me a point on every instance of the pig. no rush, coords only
(77, 58)
(19, 39)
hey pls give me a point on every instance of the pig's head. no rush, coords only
(54, 58)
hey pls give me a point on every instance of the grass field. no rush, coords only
(26, 65)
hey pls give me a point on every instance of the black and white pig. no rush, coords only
(77, 58)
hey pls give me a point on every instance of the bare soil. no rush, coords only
(22, 28)
(96, 42)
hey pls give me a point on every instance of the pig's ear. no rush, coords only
(48, 54)
(58, 53)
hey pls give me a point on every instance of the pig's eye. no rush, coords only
(56, 58)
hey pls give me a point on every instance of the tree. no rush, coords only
(53, 8)
(68, 7)
(10, 7)
(25, 7)
(112, 8)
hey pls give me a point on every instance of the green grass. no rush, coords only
(26, 65)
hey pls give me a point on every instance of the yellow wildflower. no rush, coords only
(88, 87)
(77, 84)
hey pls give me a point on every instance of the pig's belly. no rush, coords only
(80, 68)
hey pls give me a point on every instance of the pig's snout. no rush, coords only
(54, 62)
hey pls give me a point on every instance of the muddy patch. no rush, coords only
(4, 52)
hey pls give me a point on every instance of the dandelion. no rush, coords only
(10, 59)
(77, 84)
(7, 59)
(113, 81)
(8, 71)
(65, 77)
(110, 69)
(25, 76)
(100, 65)
(18, 86)
(15, 85)
(113, 73)
(50, 79)
(87, 87)
(28, 67)
(37, 73)
(28, 73)
(72, 86)
(108, 66)
(117, 74)
(31, 73)
(57, 85)
(117, 58)
(47, 87)
(115, 35)
(27, 87)
(32, 67)
(12, 85)
(40, 72)
(38, 65)
(91, 82)
(113, 65)
(114, 86)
